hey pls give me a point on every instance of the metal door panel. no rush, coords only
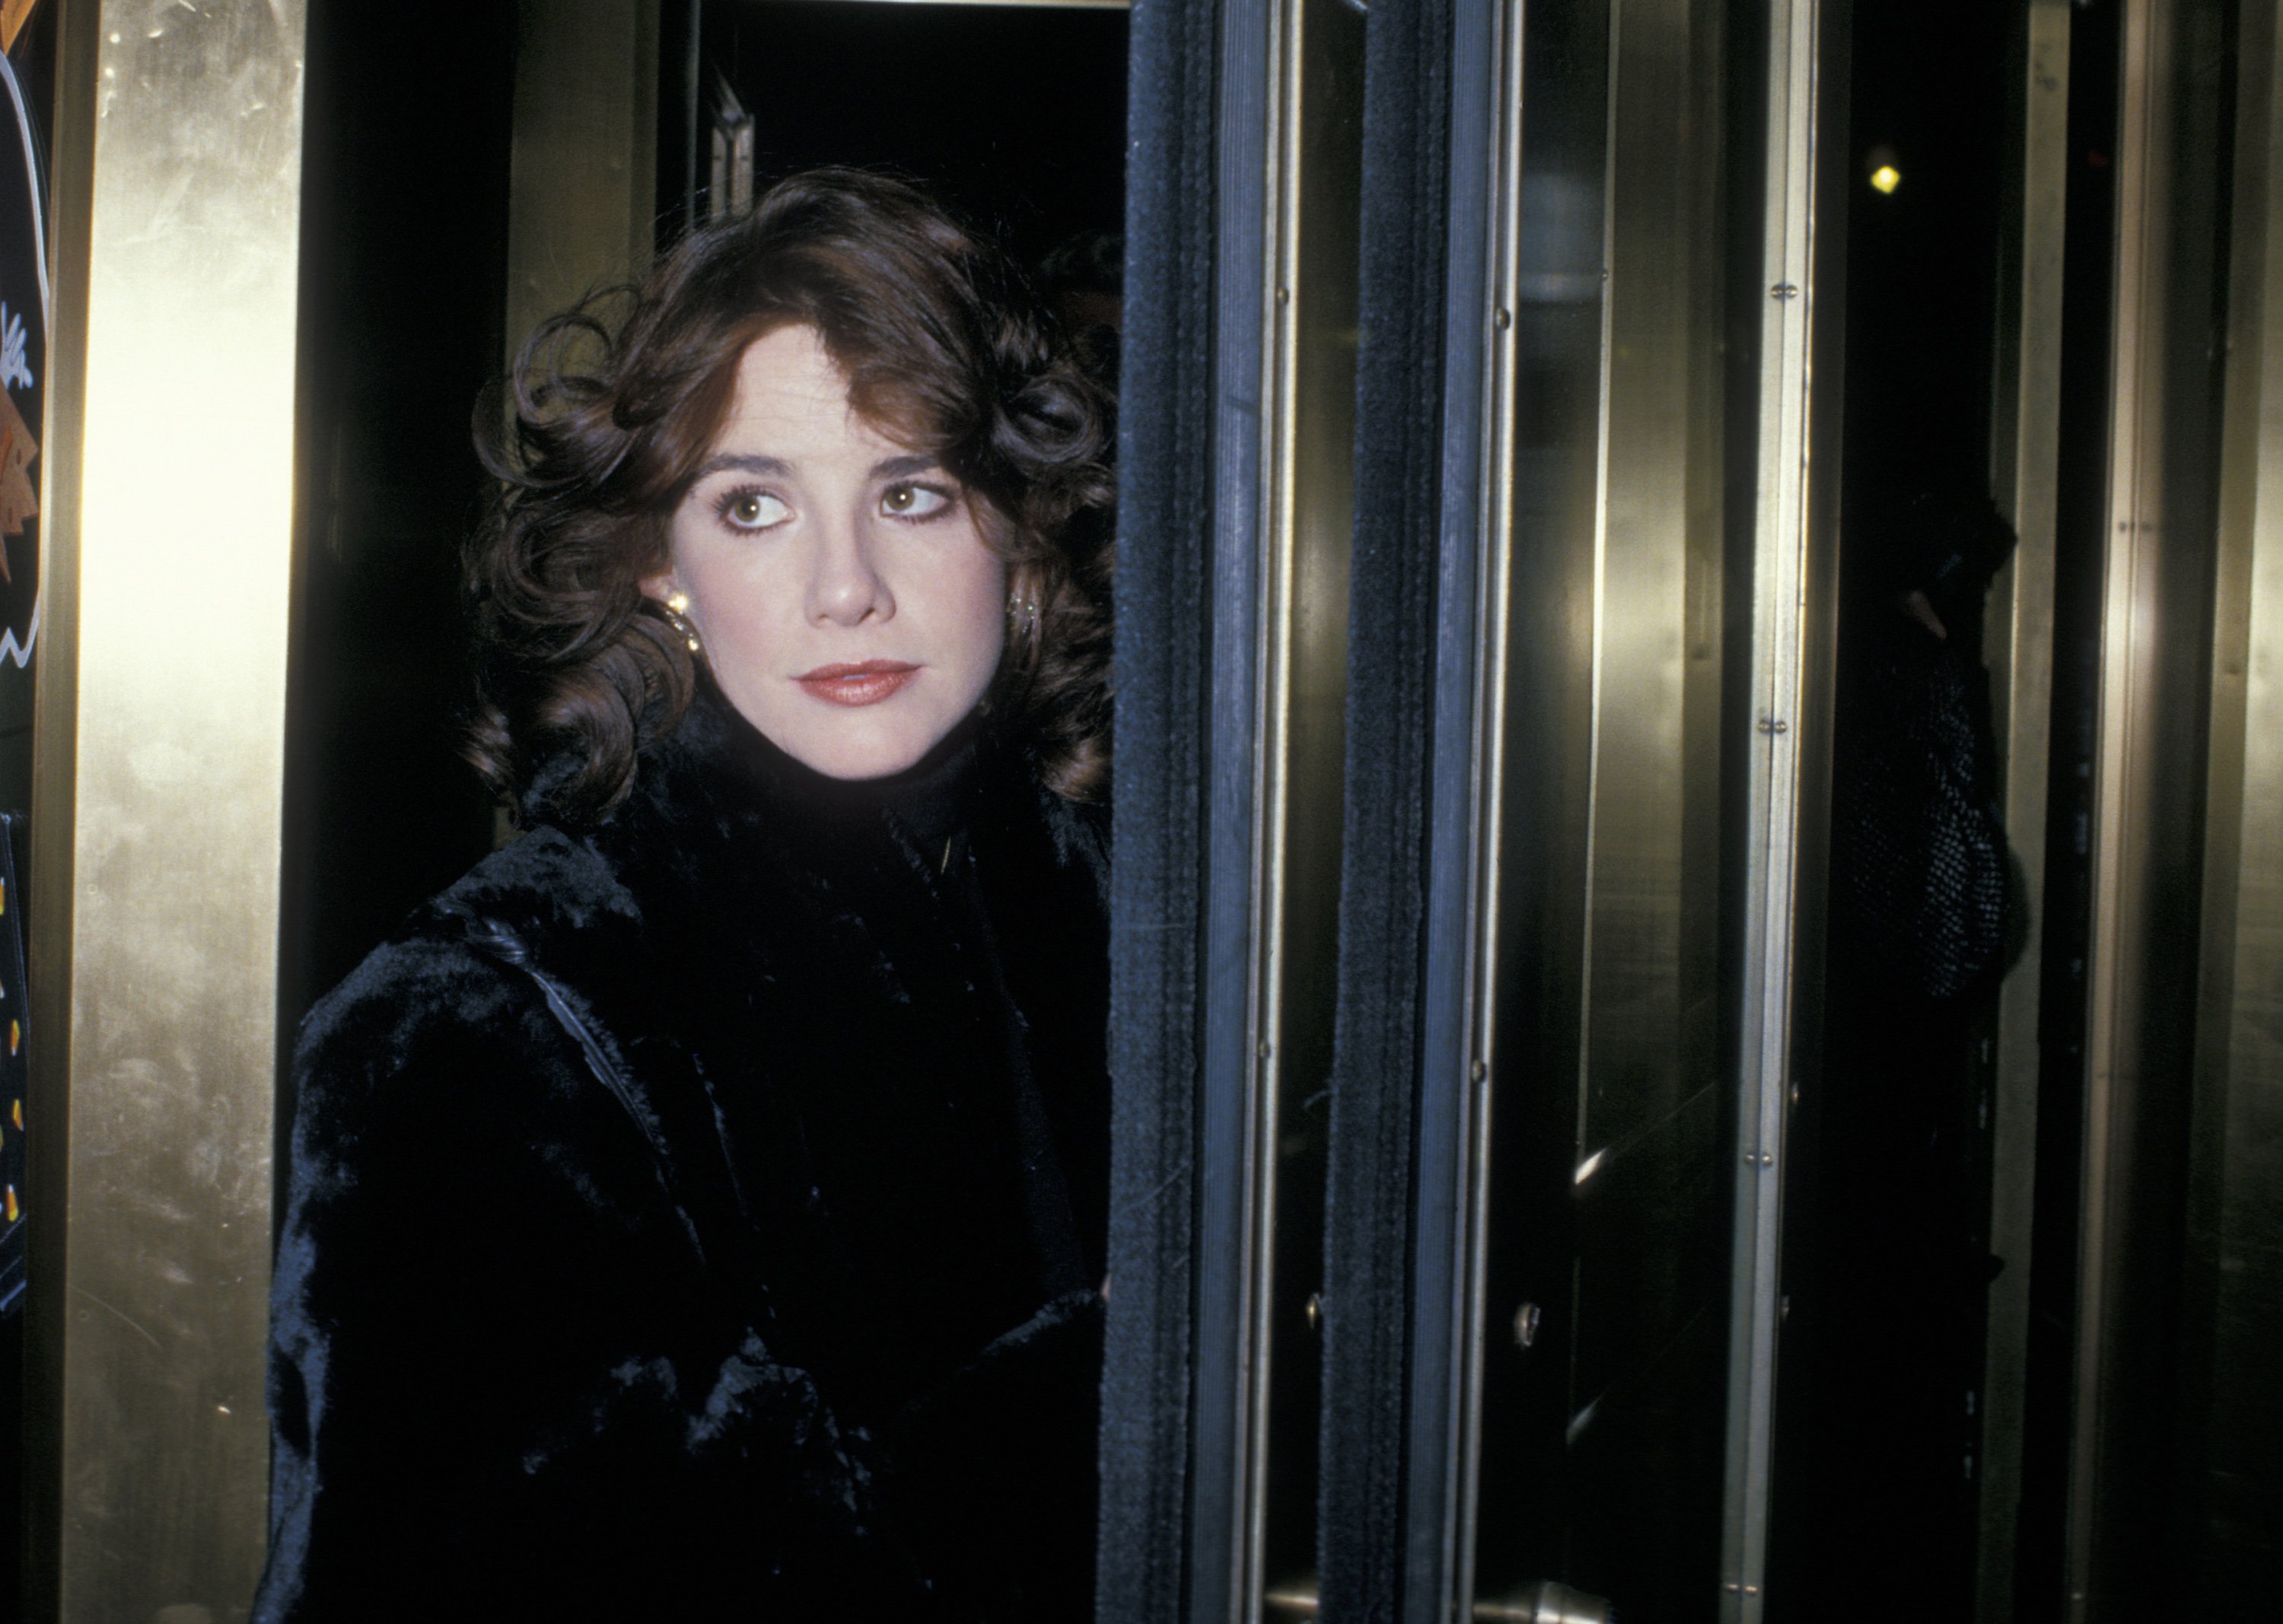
(2232, 1308)
(1599, 1304)
(1521, 1533)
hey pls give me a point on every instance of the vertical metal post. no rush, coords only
(1275, 295)
(1308, 517)
(1252, 45)
(2128, 560)
(157, 789)
(1779, 641)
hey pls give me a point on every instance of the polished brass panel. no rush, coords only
(2155, 690)
(2024, 457)
(2233, 1306)
(582, 173)
(159, 763)
(1310, 308)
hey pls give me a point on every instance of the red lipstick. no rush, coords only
(865, 682)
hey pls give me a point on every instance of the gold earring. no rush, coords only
(1023, 613)
(677, 615)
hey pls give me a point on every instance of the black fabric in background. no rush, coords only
(1383, 883)
(1157, 897)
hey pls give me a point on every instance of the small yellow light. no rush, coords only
(1885, 178)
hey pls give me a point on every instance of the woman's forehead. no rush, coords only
(792, 404)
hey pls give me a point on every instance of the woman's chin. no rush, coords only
(856, 753)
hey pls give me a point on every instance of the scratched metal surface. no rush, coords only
(157, 800)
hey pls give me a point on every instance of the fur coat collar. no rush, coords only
(702, 1215)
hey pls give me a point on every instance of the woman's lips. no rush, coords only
(867, 681)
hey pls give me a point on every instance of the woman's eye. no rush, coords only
(751, 509)
(914, 501)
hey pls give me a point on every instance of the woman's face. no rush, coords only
(839, 582)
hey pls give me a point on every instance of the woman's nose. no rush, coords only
(845, 586)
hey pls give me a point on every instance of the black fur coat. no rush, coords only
(702, 1217)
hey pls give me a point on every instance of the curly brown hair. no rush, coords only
(617, 401)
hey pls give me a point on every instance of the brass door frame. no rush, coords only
(157, 804)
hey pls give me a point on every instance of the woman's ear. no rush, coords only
(658, 588)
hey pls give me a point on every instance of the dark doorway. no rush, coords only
(1014, 113)
(403, 286)
(1888, 1243)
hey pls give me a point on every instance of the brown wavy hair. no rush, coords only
(617, 401)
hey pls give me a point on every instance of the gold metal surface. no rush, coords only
(1308, 453)
(2025, 454)
(582, 175)
(158, 761)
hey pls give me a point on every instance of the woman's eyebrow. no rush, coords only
(897, 467)
(743, 462)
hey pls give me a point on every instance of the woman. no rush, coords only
(698, 1210)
